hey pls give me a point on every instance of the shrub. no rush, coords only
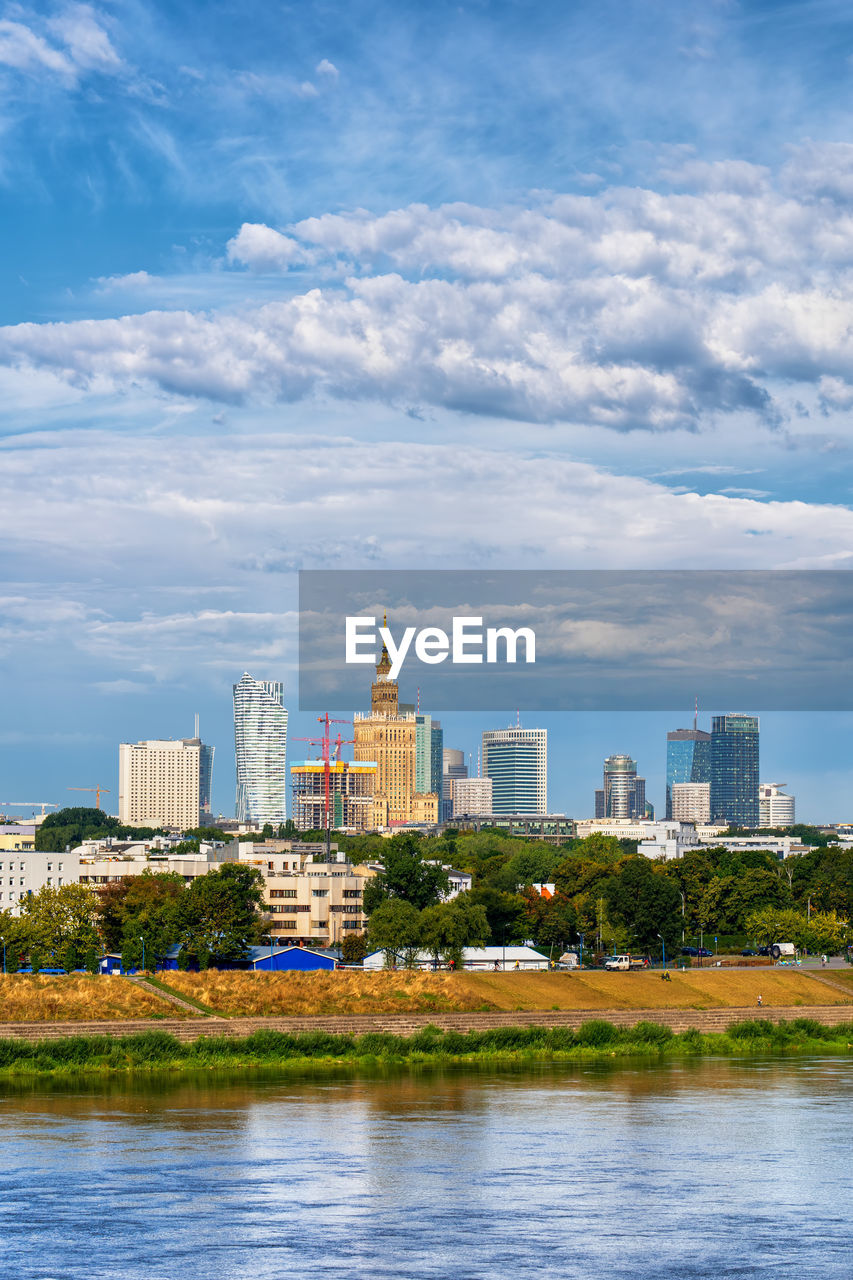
(596, 1033)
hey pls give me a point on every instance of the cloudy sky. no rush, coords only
(476, 285)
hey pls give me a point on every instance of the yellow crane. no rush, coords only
(97, 791)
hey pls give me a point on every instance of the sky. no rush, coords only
(370, 285)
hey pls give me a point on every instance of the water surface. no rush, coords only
(734, 1168)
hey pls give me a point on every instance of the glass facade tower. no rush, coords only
(516, 760)
(688, 759)
(260, 739)
(734, 770)
(623, 794)
(429, 754)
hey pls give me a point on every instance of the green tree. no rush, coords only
(15, 931)
(61, 923)
(646, 903)
(138, 907)
(551, 922)
(449, 927)
(505, 913)
(218, 916)
(407, 875)
(775, 924)
(827, 932)
(354, 948)
(395, 928)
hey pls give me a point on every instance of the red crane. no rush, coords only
(326, 744)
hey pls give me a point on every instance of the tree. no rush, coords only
(826, 931)
(550, 921)
(15, 932)
(61, 924)
(218, 915)
(505, 913)
(774, 924)
(395, 928)
(140, 907)
(646, 902)
(449, 927)
(354, 948)
(407, 875)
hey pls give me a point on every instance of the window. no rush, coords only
(50, 866)
(320, 893)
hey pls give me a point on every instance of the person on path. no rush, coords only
(759, 1002)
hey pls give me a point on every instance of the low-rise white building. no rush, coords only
(775, 808)
(315, 903)
(24, 874)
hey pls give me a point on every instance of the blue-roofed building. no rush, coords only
(269, 959)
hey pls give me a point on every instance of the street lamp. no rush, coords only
(142, 940)
(663, 945)
(581, 936)
(3, 940)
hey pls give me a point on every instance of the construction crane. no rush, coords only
(25, 804)
(97, 791)
(326, 744)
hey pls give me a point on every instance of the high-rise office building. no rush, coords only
(453, 767)
(734, 770)
(165, 783)
(260, 741)
(472, 796)
(623, 794)
(691, 802)
(429, 754)
(688, 759)
(775, 808)
(516, 760)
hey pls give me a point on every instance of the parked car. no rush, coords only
(748, 951)
(689, 951)
(703, 951)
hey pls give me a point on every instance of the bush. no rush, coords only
(651, 1033)
(596, 1033)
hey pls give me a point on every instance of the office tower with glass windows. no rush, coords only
(734, 770)
(688, 759)
(516, 760)
(260, 741)
(429, 754)
(453, 767)
(623, 794)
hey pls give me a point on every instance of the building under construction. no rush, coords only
(352, 785)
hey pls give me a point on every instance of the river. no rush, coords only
(734, 1168)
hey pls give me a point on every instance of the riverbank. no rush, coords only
(596, 1038)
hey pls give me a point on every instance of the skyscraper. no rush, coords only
(688, 759)
(453, 767)
(260, 741)
(429, 754)
(734, 770)
(516, 760)
(165, 783)
(623, 794)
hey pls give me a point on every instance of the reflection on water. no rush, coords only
(731, 1168)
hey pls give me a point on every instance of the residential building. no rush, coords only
(314, 903)
(165, 783)
(623, 794)
(472, 795)
(734, 769)
(775, 808)
(627, 828)
(352, 788)
(516, 760)
(688, 759)
(690, 801)
(260, 742)
(453, 767)
(388, 738)
(17, 836)
(24, 874)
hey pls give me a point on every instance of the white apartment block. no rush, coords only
(99, 868)
(472, 795)
(164, 783)
(22, 875)
(691, 802)
(775, 809)
(315, 903)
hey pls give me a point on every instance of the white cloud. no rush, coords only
(22, 48)
(326, 68)
(86, 40)
(625, 309)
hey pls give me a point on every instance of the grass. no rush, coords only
(172, 991)
(41, 998)
(345, 992)
(153, 1050)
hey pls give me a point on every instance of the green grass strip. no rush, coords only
(160, 985)
(154, 1050)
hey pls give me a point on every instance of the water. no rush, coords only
(707, 1169)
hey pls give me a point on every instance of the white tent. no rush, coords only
(482, 958)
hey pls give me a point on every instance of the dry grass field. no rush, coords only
(34, 998)
(346, 992)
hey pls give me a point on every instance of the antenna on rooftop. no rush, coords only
(695, 714)
(196, 725)
(419, 700)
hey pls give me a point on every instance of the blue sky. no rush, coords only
(495, 285)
